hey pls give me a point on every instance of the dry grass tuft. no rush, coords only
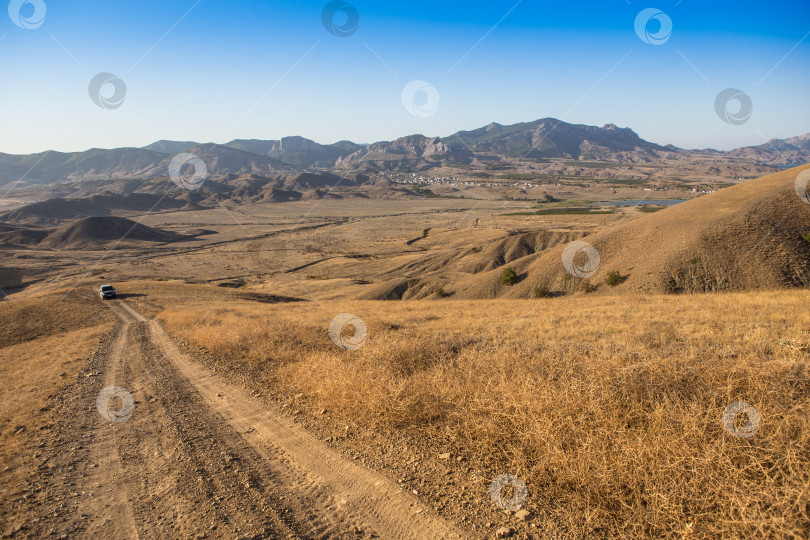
(610, 410)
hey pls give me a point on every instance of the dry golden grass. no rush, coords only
(610, 409)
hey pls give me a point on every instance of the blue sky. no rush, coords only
(217, 70)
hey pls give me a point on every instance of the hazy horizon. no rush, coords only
(205, 72)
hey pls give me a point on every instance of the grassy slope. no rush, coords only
(610, 409)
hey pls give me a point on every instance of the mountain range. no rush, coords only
(543, 139)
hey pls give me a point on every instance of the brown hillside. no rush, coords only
(20, 236)
(59, 210)
(515, 246)
(420, 276)
(97, 231)
(748, 236)
(10, 277)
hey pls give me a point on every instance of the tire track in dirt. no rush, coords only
(199, 458)
(185, 472)
(173, 469)
(328, 493)
(103, 495)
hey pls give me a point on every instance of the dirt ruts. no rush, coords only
(200, 458)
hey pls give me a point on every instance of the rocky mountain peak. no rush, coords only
(295, 144)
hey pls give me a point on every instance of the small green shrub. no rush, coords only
(541, 291)
(508, 276)
(615, 278)
(806, 237)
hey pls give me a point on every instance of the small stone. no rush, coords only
(523, 515)
(504, 532)
(444, 456)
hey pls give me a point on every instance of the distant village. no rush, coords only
(454, 181)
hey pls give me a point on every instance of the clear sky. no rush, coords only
(216, 70)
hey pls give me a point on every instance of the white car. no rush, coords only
(107, 291)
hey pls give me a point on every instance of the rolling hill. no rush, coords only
(100, 232)
(57, 210)
(755, 235)
(748, 236)
(126, 197)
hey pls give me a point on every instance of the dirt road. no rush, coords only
(202, 458)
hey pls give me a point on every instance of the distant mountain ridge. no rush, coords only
(547, 138)
(170, 147)
(414, 152)
(782, 152)
(297, 151)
